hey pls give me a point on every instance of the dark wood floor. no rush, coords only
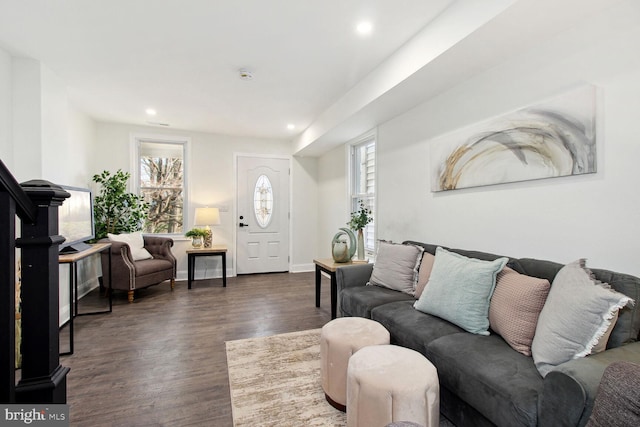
(161, 361)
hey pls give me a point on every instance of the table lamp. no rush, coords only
(207, 217)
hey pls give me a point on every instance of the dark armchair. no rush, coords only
(129, 275)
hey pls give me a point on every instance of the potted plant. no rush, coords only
(359, 220)
(197, 236)
(115, 210)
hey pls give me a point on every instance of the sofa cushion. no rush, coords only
(411, 328)
(627, 328)
(484, 371)
(135, 242)
(515, 307)
(150, 266)
(360, 300)
(577, 313)
(460, 289)
(396, 267)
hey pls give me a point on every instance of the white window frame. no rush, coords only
(134, 185)
(354, 195)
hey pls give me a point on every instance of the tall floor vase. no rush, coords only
(360, 244)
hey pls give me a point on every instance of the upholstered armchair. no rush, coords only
(129, 272)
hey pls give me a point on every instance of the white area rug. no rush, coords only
(275, 381)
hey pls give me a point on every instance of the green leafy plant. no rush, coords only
(196, 232)
(360, 218)
(115, 210)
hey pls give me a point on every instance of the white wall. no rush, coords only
(58, 158)
(212, 183)
(51, 139)
(81, 132)
(304, 212)
(594, 216)
(43, 137)
(332, 197)
(6, 147)
(27, 119)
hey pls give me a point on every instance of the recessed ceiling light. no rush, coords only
(364, 27)
(291, 126)
(245, 74)
(150, 112)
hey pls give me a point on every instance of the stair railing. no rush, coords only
(36, 202)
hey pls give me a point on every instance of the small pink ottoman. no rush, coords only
(387, 383)
(340, 338)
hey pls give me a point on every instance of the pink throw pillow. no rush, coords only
(423, 273)
(515, 307)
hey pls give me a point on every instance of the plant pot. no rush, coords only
(197, 242)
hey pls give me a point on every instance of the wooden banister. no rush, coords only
(25, 208)
(36, 203)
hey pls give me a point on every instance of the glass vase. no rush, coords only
(360, 244)
(197, 241)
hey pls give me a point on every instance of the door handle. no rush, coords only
(243, 225)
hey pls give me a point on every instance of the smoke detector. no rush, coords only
(245, 74)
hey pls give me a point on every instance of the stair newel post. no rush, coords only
(7, 298)
(43, 378)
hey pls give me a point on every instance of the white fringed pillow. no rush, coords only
(576, 315)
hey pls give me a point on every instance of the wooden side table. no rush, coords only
(329, 266)
(72, 259)
(216, 250)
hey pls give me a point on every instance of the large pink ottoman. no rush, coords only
(340, 338)
(387, 383)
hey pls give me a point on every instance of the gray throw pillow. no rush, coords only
(396, 267)
(577, 313)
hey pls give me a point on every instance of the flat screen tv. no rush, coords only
(75, 220)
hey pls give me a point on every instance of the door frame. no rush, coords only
(236, 157)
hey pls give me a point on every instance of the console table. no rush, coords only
(216, 250)
(329, 266)
(72, 259)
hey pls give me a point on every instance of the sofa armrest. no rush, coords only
(122, 265)
(353, 275)
(570, 389)
(120, 251)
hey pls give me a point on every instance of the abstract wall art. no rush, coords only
(549, 139)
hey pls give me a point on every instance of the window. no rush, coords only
(161, 181)
(363, 184)
(263, 201)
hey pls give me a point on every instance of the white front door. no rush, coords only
(262, 241)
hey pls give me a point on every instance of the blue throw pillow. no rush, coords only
(459, 290)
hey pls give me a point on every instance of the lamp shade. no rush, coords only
(207, 216)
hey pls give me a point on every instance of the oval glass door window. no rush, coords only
(263, 201)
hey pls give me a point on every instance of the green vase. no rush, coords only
(342, 249)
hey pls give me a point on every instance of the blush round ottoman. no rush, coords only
(340, 338)
(387, 383)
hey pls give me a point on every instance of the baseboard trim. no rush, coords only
(302, 268)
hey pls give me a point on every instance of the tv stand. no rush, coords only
(74, 248)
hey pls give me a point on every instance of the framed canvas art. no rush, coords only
(549, 139)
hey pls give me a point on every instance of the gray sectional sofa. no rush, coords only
(484, 381)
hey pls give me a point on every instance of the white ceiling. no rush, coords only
(181, 57)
